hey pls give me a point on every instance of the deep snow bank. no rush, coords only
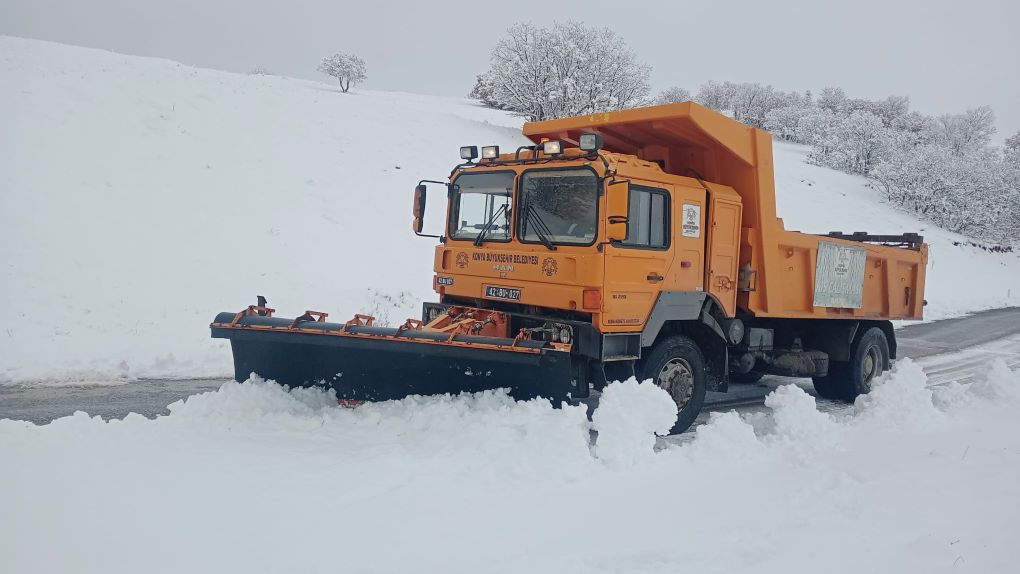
(138, 197)
(254, 478)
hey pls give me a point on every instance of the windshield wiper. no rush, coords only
(532, 216)
(488, 225)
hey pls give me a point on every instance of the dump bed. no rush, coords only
(783, 273)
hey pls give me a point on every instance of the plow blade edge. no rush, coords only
(382, 363)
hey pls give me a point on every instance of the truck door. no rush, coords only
(689, 234)
(724, 250)
(638, 267)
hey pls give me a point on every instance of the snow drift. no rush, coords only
(138, 197)
(256, 478)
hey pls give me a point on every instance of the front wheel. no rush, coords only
(677, 366)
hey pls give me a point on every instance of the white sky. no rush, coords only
(946, 55)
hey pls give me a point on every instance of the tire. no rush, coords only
(747, 378)
(677, 365)
(848, 380)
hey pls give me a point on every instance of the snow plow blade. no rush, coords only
(363, 362)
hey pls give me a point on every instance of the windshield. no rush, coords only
(559, 206)
(480, 200)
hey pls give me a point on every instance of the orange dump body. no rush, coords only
(780, 273)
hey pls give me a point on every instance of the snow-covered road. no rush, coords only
(949, 350)
(252, 478)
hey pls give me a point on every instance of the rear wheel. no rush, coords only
(868, 358)
(677, 366)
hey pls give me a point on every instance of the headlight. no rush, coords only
(590, 142)
(469, 152)
(559, 333)
(552, 147)
(490, 152)
(565, 335)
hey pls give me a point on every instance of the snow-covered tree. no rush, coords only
(915, 128)
(970, 130)
(566, 70)
(856, 144)
(888, 109)
(832, 99)
(783, 122)
(1013, 142)
(348, 69)
(672, 95)
(1012, 152)
(969, 193)
(814, 125)
(752, 101)
(715, 95)
(483, 92)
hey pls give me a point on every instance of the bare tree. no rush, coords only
(346, 68)
(568, 70)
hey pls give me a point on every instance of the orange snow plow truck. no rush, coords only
(642, 242)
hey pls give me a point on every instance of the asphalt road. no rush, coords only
(950, 350)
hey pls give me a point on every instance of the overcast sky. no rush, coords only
(946, 55)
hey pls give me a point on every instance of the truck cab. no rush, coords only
(597, 238)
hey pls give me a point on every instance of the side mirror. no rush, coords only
(617, 202)
(418, 209)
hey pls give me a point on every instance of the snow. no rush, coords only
(253, 478)
(139, 197)
(629, 416)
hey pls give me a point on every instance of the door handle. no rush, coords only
(655, 277)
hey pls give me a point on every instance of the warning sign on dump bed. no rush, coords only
(839, 276)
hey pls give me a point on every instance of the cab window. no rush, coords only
(482, 201)
(559, 206)
(648, 218)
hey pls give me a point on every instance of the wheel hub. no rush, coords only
(870, 363)
(677, 378)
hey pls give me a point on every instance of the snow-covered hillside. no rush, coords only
(138, 197)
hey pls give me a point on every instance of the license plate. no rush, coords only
(493, 292)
